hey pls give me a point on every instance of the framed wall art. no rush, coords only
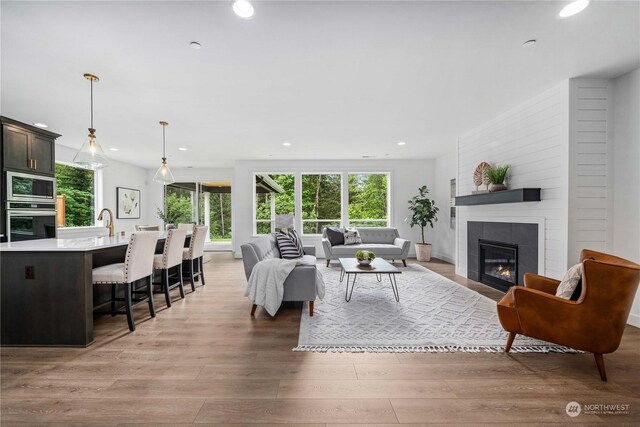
(128, 203)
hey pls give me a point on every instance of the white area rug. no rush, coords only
(434, 315)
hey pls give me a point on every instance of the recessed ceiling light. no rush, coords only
(40, 125)
(529, 43)
(243, 9)
(113, 149)
(195, 45)
(182, 149)
(573, 8)
(286, 144)
(401, 143)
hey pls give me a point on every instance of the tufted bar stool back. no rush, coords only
(171, 257)
(137, 265)
(194, 253)
(138, 262)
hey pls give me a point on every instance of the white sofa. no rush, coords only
(385, 242)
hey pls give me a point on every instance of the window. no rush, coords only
(368, 200)
(179, 200)
(75, 186)
(321, 199)
(275, 195)
(218, 211)
(321, 202)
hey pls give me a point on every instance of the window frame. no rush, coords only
(339, 220)
(97, 190)
(272, 220)
(344, 195)
(346, 199)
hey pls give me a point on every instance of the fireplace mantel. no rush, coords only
(517, 195)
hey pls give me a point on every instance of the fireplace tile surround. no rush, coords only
(524, 235)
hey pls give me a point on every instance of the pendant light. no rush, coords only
(164, 174)
(91, 154)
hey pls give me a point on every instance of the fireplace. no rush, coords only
(498, 264)
(517, 246)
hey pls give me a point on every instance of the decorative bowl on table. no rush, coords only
(365, 257)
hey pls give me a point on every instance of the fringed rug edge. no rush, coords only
(433, 349)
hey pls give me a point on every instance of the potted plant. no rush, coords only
(497, 176)
(365, 257)
(423, 213)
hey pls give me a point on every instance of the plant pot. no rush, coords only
(365, 262)
(497, 187)
(423, 252)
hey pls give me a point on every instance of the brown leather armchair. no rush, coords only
(593, 323)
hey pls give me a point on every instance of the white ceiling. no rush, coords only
(336, 79)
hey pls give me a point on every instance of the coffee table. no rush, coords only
(378, 267)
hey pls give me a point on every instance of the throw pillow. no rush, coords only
(287, 246)
(569, 282)
(335, 236)
(352, 236)
(297, 240)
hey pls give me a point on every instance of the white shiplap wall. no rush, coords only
(533, 139)
(590, 178)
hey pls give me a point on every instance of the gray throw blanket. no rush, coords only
(266, 283)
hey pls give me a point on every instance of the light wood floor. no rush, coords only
(205, 360)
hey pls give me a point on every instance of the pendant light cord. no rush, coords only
(164, 154)
(91, 80)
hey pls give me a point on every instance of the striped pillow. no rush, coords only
(289, 245)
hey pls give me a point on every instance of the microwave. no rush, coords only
(23, 187)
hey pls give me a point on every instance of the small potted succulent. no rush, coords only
(365, 257)
(497, 177)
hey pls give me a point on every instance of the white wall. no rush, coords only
(406, 177)
(533, 139)
(590, 166)
(117, 174)
(626, 190)
(444, 237)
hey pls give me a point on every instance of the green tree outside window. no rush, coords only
(76, 184)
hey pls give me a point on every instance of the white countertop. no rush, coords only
(83, 244)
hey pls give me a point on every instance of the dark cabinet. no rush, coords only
(16, 148)
(26, 148)
(43, 155)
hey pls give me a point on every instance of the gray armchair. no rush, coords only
(301, 283)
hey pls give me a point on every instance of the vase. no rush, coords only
(423, 252)
(365, 262)
(496, 187)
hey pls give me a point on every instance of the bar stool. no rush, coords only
(169, 258)
(138, 264)
(194, 253)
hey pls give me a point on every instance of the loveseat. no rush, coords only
(301, 282)
(385, 242)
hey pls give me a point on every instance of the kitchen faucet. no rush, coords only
(109, 222)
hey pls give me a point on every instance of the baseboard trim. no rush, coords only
(634, 320)
(443, 257)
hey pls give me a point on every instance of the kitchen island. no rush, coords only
(48, 298)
